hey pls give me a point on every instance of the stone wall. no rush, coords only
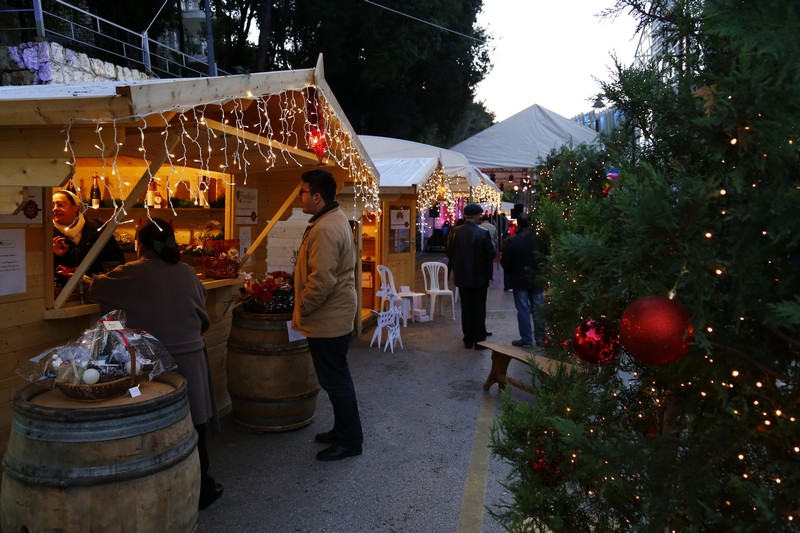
(43, 63)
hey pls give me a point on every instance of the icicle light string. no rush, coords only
(435, 189)
(102, 148)
(239, 110)
(340, 143)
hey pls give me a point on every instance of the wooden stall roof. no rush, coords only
(233, 124)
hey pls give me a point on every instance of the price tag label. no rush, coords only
(134, 391)
(113, 325)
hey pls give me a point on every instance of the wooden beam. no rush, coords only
(60, 110)
(274, 220)
(108, 231)
(155, 96)
(12, 199)
(48, 142)
(35, 172)
(246, 135)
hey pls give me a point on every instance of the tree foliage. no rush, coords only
(706, 206)
(393, 76)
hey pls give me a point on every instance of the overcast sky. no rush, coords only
(550, 52)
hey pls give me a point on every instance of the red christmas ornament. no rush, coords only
(595, 342)
(656, 330)
(547, 470)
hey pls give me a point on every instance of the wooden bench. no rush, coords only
(502, 354)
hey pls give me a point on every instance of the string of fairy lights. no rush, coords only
(435, 192)
(246, 148)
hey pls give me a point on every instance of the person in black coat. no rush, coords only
(73, 237)
(470, 254)
(521, 261)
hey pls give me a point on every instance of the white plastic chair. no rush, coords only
(387, 280)
(434, 274)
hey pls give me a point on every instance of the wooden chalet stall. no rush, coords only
(415, 178)
(228, 140)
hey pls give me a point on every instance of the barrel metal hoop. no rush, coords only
(53, 430)
(81, 477)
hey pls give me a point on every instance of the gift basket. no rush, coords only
(222, 258)
(103, 363)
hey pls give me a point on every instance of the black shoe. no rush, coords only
(468, 345)
(479, 347)
(329, 437)
(336, 452)
(488, 333)
(521, 344)
(210, 496)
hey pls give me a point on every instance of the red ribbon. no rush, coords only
(65, 271)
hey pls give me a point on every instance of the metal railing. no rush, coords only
(78, 29)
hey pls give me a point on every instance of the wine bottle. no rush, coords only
(151, 193)
(95, 194)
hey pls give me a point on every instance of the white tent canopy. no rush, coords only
(404, 171)
(520, 140)
(455, 165)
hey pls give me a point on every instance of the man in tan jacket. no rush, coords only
(325, 308)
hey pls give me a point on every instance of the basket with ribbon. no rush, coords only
(221, 258)
(105, 362)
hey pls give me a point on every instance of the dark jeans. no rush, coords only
(473, 314)
(529, 303)
(330, 362)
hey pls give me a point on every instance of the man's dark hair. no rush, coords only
(523, 221)
(322, 182)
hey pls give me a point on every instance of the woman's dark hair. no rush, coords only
(157, 235)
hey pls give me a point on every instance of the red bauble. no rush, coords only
(656, 330)
(548, 471)
(595, 342)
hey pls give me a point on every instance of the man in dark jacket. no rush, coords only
(521, 262)
(470, 254)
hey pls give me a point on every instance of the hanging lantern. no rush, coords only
(315, 135)
(317, 142)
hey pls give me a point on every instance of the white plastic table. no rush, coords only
(407, 299)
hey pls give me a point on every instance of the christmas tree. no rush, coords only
(674, 287)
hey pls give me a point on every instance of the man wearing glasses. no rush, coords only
(325, 308)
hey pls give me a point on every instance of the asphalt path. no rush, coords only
(426, 465)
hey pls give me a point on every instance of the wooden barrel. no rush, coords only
(123, 464)
(271, 380)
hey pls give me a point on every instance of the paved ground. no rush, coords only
(425, 467)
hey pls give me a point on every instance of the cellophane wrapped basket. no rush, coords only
(103, 363)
